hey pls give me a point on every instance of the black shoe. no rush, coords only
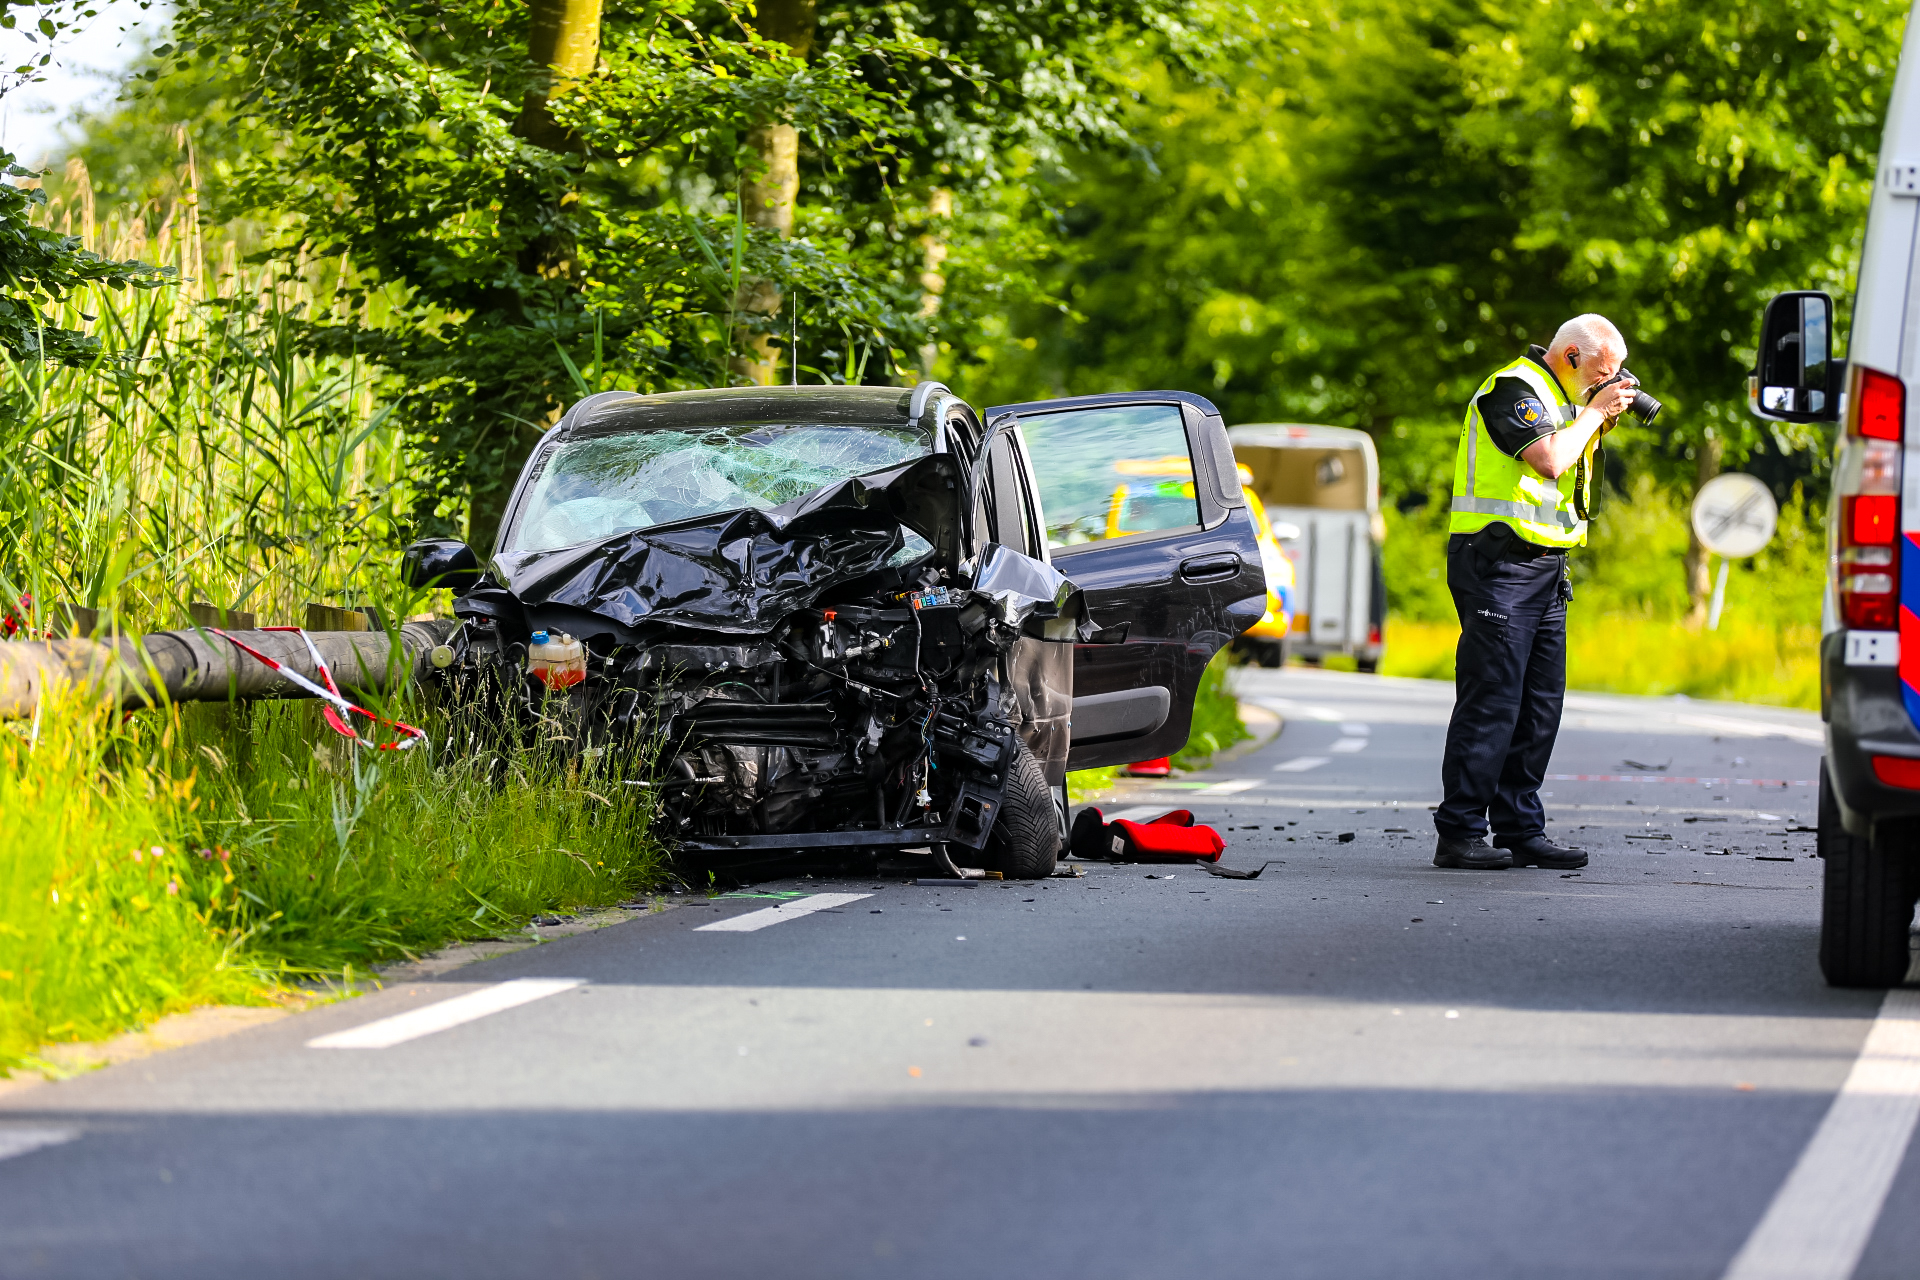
(1538, 851)
(1469, 855)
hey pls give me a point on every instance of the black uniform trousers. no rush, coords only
(1510, 677)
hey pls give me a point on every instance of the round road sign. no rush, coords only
(1734, 515)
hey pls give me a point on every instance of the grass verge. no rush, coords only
(199, 857)
(1743, 661)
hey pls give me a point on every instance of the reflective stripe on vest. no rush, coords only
(1518, 510)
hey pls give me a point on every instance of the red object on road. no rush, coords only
(1161, 768)
(1171, 837)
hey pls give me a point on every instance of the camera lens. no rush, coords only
(1645, 408)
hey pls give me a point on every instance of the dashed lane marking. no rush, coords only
(1822, 1216)
(18, 1142)
(1300, 764)
(1353, 730)
(411, 1025)
(1347, 746)
(1138, 812)
(1230, 787)
(785, 911)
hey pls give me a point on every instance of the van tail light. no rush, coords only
(1867, 491)
(1373, 634)
(1897, 771)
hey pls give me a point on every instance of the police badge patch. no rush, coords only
(1531, 411)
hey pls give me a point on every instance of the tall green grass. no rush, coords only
(207, 456)
(1628, 629)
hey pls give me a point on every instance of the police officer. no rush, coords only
(1522, 481)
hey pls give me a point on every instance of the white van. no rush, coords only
(1321, 489)
(1869, 823)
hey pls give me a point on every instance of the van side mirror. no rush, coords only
(1797, 380)
(440, 562)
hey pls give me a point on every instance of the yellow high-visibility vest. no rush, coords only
(1488, 485)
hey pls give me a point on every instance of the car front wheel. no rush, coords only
(1867, 910)
(1025, 841)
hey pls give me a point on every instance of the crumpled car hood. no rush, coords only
(742, 572)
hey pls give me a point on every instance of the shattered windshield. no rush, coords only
(594, 487)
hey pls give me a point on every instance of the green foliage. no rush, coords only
(1360, 208)
(233, 468)
(1414, 563)
(39, 270)
(1216, 716)
(349, 856)
(1625, 628)
(201, 857)
(393, 137)
(106, 917)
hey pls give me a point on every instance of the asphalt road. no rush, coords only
(1354, 1066)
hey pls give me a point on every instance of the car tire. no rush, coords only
(1867, 907)
(1025, 841)
(1271, 653)
(1367, 666)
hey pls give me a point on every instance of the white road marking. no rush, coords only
(785, 911)
(439, 1016)
(1754, 728)
(1823, 1215)
(1300, 764)
(1139, 813)
(1347, 746)
(18, 1142)
(1356, 730)
(1229, 787)
(1287, 706)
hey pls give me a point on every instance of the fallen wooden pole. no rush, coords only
(198, 666)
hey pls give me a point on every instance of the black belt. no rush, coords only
(1498, 541)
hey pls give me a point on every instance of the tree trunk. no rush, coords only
(563, 43)
(1706, 459)
(564, 40)
(767, 201)
(768, 197)
(933, 248)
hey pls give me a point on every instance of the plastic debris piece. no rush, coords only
(1346, 837)
(1229, 873)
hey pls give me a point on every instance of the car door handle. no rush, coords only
(1201, 568)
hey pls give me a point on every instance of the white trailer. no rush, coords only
(1321, 489)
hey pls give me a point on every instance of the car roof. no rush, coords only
(614, 412)
(1300, 435)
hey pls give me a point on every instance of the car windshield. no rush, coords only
(598, 486)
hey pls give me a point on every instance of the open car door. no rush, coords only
(1141, 504)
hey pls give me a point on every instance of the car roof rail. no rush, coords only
(923, 392)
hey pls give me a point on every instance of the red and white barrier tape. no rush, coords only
(331, 695)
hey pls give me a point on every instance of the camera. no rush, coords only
(1644, 406)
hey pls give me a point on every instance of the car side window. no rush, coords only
(1009, 516)
(1112, 471)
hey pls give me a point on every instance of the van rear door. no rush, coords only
(1141, 503)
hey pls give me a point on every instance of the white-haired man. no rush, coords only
(1522, 481)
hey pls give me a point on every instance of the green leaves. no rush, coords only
(40, 268)
(1357, 210)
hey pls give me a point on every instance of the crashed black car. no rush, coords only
(861, 618)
